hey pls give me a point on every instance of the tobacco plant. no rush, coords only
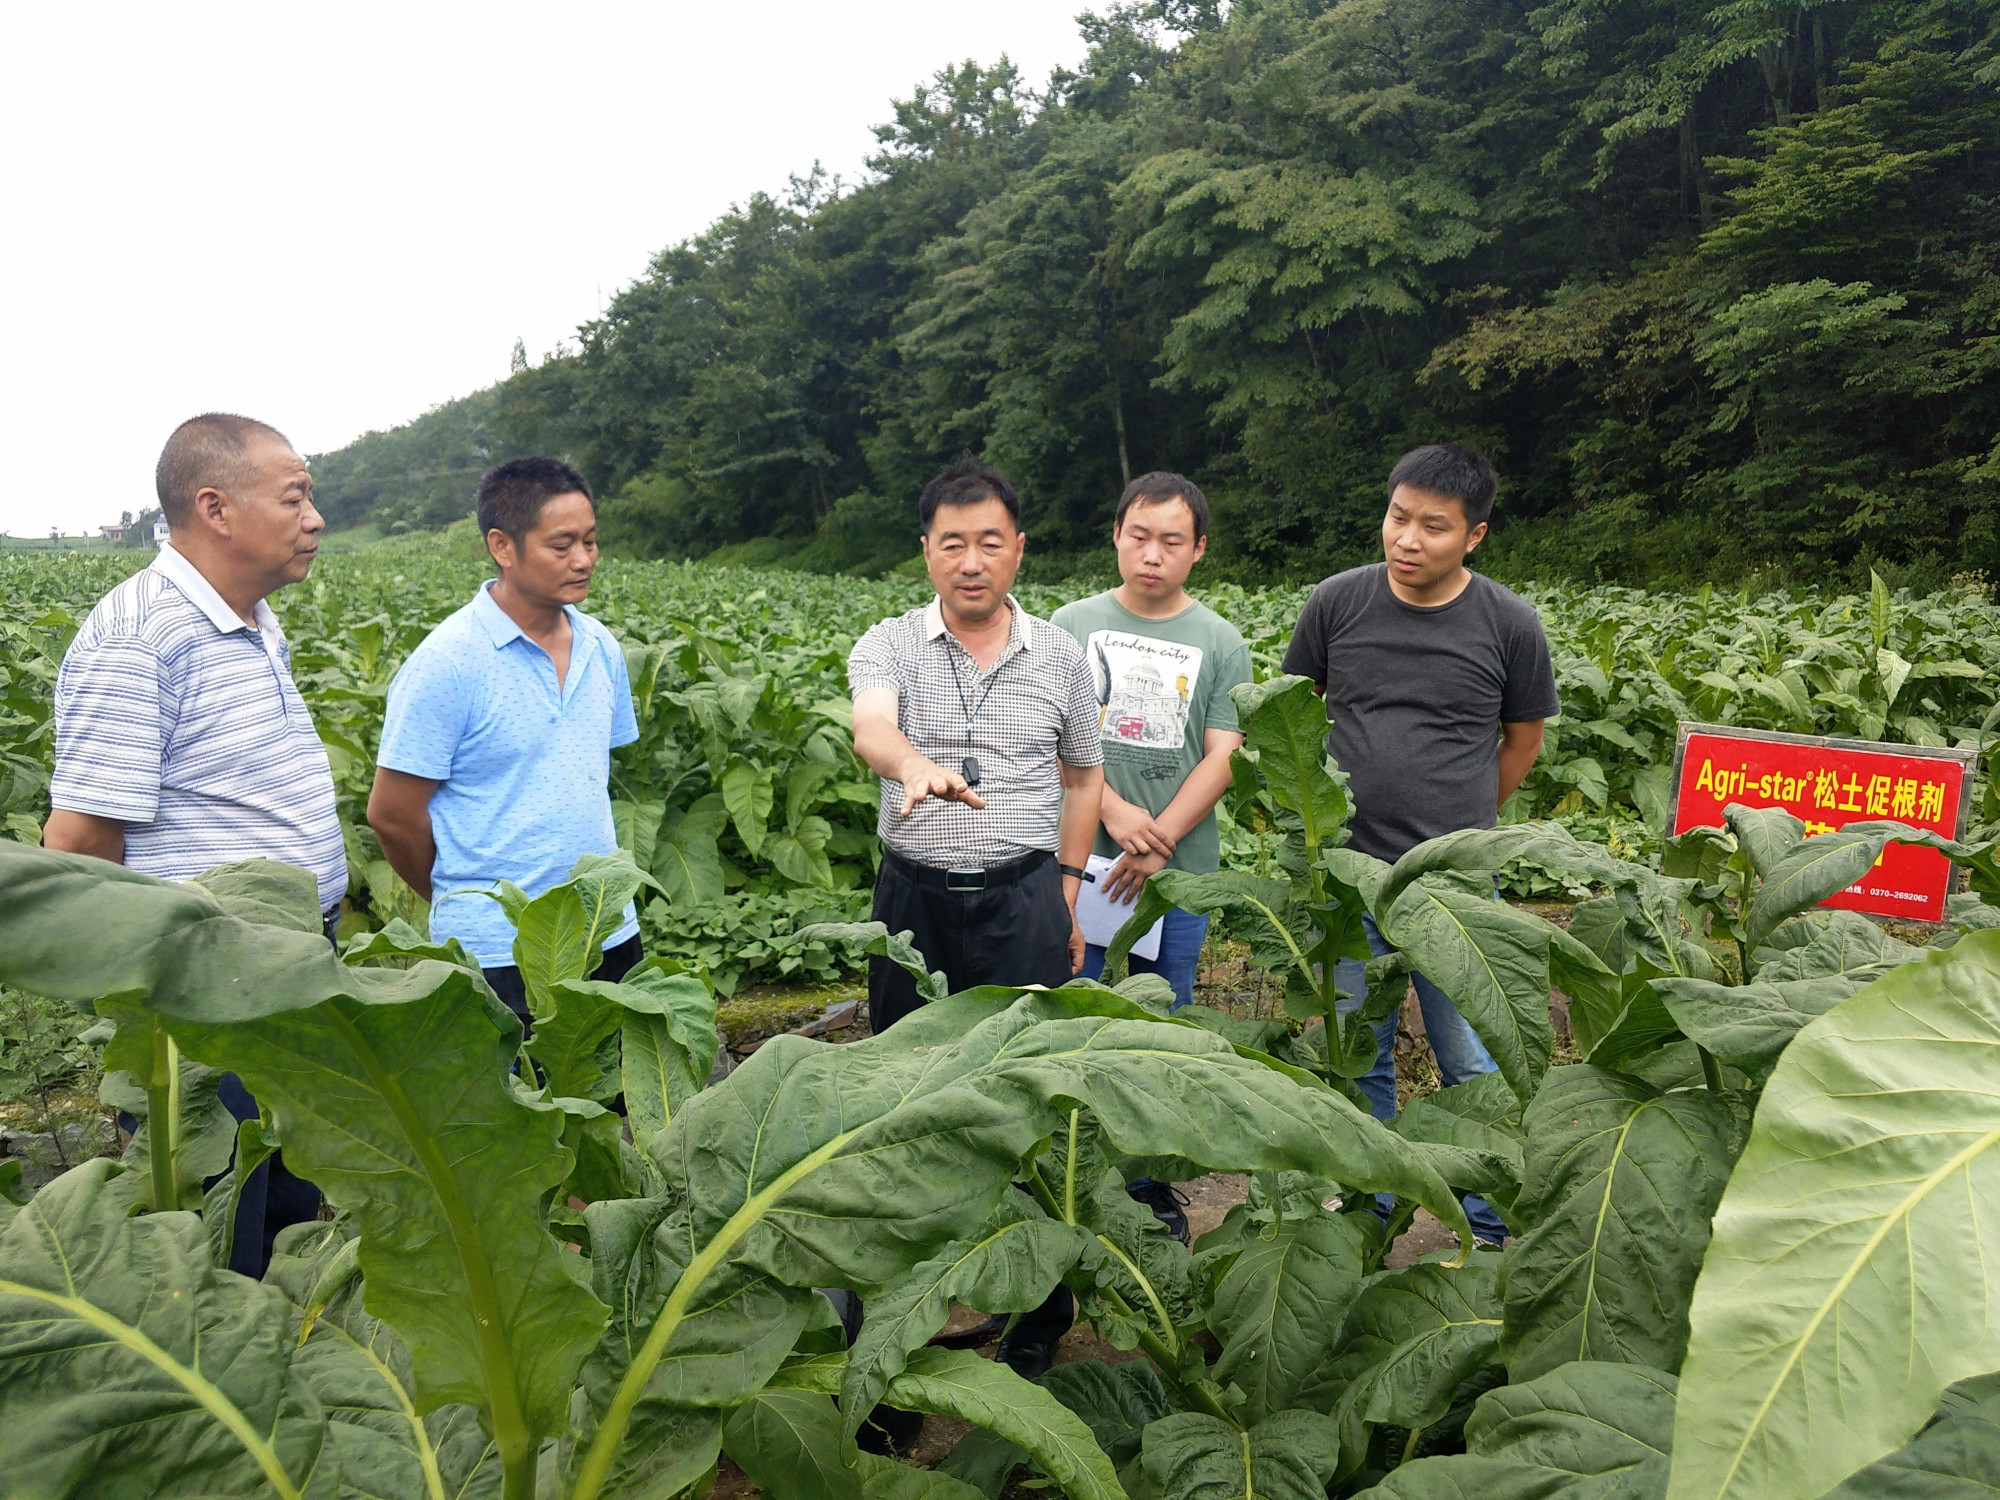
(1764, 1195)
(611, 1352)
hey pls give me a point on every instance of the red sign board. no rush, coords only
(1828, 784)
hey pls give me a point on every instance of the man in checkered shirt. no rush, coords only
(982, 722)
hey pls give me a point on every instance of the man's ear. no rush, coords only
(1200, 548)
(1478, 535)
(500, 547)
(210, 510)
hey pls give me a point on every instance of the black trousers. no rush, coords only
(271, 1199)
(1013, 931)
(507, 983)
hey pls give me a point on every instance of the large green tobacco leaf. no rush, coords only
(1749, 1025)
(1284, 723)
(1956, 1457)
(665, 1017)
(1831, 862)
(1824, 943)
(1857, 1248)
(1484, 850)
(1480, 1118)
(817, 1166)
(1011, 1267)
(1619, 1185)
(1115, 1401)
(129, 1367)
(360, 1371)
(1406, 1345)
(1765, 835)
(636, 825)
(1193, 1456)
(668, 1044)
(1583, 1432)
(398, 945)
(390, 1090)
(686, 861)
(958, 1383)
(789, 1442)
(1129, 1242)
(406, 1116)
(560, 934)
(265, 891)
(875, 940)
(1638, 1026)
(1277, 1309)
(1494, 961)
(1259, 909)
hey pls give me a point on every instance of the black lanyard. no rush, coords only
(969, 765)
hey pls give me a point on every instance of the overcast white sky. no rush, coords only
(334, 217)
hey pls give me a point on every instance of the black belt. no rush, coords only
(965, 878)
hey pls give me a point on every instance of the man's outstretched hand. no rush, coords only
(923, 777)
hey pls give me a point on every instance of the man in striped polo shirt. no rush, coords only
(181, 742)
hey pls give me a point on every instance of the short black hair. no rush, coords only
(1159, 487)
(511, 495)
(211, 451)
(1449, 469)
(967, 482)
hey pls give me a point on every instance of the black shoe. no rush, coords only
(889, 1431)
(1166, 1201)
(1028, 1352)
(975, 1337)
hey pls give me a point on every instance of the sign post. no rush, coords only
(1827, 784)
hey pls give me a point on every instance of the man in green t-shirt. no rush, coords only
(1164, 666)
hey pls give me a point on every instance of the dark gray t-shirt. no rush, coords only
(1415, 697)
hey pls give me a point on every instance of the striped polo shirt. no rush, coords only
(182, 722)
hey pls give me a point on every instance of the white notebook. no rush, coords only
(1100, 917)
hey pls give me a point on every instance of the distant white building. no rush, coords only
(160, 531)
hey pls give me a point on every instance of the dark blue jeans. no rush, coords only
(1180, 948)
(1459, 1052)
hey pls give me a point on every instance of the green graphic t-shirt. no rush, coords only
(1160, 685)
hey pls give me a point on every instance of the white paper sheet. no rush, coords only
(1100, 917)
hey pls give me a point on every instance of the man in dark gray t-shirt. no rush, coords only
(1418, 697)
(1437, 682)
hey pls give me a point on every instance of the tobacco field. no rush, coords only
(1753, 1223)
(744, 801)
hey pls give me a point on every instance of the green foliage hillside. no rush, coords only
(1712, 279)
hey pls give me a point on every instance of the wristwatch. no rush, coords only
(1079, 874)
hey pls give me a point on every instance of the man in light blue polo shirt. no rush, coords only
(496, 748)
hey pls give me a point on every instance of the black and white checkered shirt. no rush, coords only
(1037, 705)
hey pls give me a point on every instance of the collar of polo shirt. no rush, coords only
(499, 624)
(1016, 636)
(201, 593)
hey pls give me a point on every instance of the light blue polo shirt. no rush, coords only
(525, 765)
